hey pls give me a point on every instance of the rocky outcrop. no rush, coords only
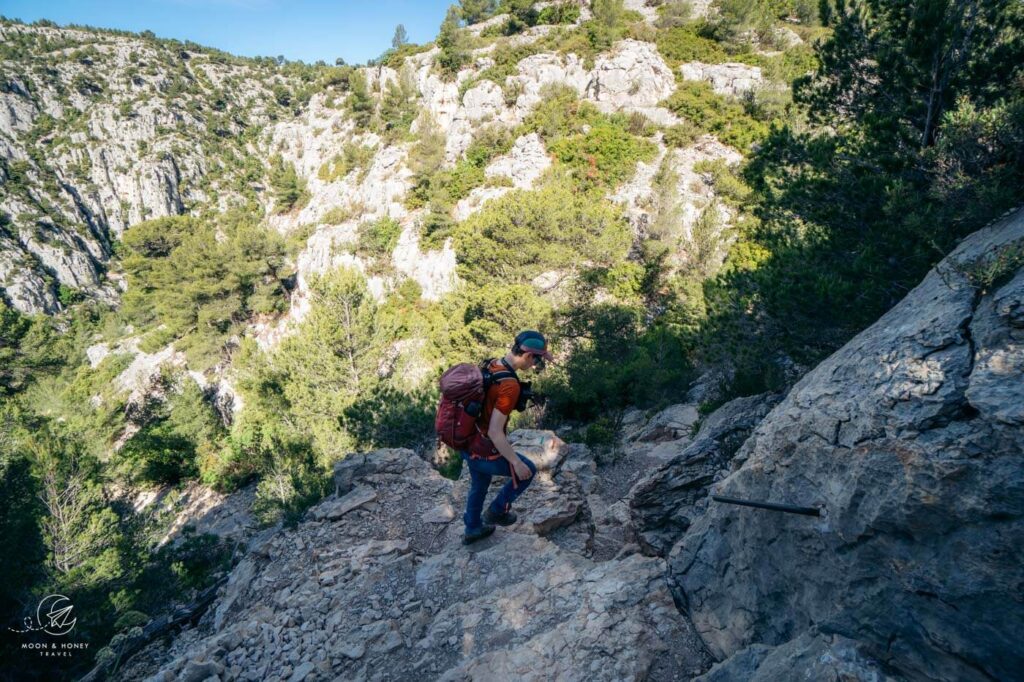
(522, 165)
(726, 79)
(664, 503)
(375, 585)
(908, 439)
(692, 194)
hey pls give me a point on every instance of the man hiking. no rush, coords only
(529, 351)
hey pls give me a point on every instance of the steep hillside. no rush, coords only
(101, 130)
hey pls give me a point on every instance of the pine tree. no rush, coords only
(333, 358)
(400, 38)
(360, 103)
(453, 52)
(898, 67)
(475, 11)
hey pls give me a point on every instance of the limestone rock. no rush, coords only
(335, 509)
(633, 75)
(671, 423)
(524, 163)
(904, 440)
(442, 513)
(730, 78)
(434, 271)
(665, 502)
(554, 502)
(807, 657)
(384, 592)
(544, 448)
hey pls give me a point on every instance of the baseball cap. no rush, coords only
(533, 342)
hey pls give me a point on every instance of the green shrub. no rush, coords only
(353, 156)
(681, 135)
(725, 180)
(600, 433)
(523, 234)
(559, 13)
(378, 238)
(604, 156)
(289, 190)
(712, 113)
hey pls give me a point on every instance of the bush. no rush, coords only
(683, 44)
(559, 13)
(604, 156)
(289, 190)
(712, 113)
(522, 234)
(353, 156)
(378, 238)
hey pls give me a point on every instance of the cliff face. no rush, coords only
(100, 130)
(909, 439)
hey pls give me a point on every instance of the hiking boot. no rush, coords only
(469, 538)
(500, 518)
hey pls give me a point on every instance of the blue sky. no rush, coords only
(298, 29)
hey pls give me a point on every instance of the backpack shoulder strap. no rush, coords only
(494, 377)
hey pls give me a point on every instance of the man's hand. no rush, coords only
(496, 432)
(522, 471)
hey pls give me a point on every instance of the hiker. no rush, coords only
(529, 351)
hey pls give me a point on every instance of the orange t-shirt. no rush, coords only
(502, 395)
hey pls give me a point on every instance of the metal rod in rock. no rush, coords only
(788, 508)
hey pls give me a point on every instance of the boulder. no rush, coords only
(543, 448)
(672, 423)
(807, 657)
(332, 510)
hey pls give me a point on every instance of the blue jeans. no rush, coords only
(480, 472)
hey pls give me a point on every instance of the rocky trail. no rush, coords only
(376, 585)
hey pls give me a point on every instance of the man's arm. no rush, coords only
(496, 432)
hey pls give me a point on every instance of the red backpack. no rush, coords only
(463, 391)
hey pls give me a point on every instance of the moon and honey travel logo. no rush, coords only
(54, 616)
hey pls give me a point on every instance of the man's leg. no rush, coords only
(479, 481)
(508, 494)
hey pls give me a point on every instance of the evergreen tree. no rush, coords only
(288, 187)
(332, 359)
(400, 38)
(475, 11)
(521, 15)
(897, 67)
(360, 102)
(453, 54)
(398, 105)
